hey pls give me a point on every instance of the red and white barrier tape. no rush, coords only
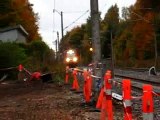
(27, 71)
(139, 97)
(10, 68)
(157, 94)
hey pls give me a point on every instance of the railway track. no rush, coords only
(138, 79)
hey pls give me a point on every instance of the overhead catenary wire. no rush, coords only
(54, 18)
(72, 12)
(76, 20)
(104, 6)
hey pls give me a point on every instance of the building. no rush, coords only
(13, 34)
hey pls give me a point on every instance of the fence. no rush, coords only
(104, 101)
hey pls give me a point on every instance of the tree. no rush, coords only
(15, 12)
(109, 27)
(11, 55)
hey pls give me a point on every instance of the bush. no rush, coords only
(11, 55)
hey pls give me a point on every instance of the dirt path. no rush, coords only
(42, 102)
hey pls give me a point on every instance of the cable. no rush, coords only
(103, 7)
(54, 16)
(71, 12)
(76, 20)
(79, 17)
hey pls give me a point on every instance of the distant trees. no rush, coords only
(133, 35)
(109, 28)
(137, 39)
(15, 12)
(35, 55)
(78, 39)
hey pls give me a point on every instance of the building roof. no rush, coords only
(19, 27)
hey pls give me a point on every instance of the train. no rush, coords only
(71, 58)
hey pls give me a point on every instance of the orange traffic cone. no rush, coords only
(87, 86)
(66, 78)
(85, 83)
(107, 110)
(103, 113)
(100, 99)
(75, 85)
(67, 75)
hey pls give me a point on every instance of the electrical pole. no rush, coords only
(112, 54)
(57, 45)
(62, 24)
(58, 40)
(61, 14)
(96, 45)
(56, 48)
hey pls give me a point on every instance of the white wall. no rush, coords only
(12, 36)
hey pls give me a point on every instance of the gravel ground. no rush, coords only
(19, 101)
(42, 101)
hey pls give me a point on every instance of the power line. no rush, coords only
(76, 20)
(54, 17)
(71, 12)
(103, 7)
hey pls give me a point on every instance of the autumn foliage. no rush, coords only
(15, 12)
(135, 35)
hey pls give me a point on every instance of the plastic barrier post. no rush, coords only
(107, 110)
(100, 99)
(89, 80)
(87, 86)
(126, 86)
(147, 102)
(75, 85)
(101, 95)
(67, 75)
(66, 78)
(36, 76)
(21, 73)
(20, 68)
(85, 83)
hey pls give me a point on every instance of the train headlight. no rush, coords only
(67, 59)
(70, 51)
(75, 59)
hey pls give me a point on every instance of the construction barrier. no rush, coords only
(126, 87)
(107, 109)
(100, 98)
(147, 102)
(87, 86)
(75, 85)
(104, 101)
(26, 75)
(20, 68)
(35, 76)
(67, 75)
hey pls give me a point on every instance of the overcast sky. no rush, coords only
(74, 13)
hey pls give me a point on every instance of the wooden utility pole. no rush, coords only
(96, 45)
(57, 45)
(56, 48)
(62, 24)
